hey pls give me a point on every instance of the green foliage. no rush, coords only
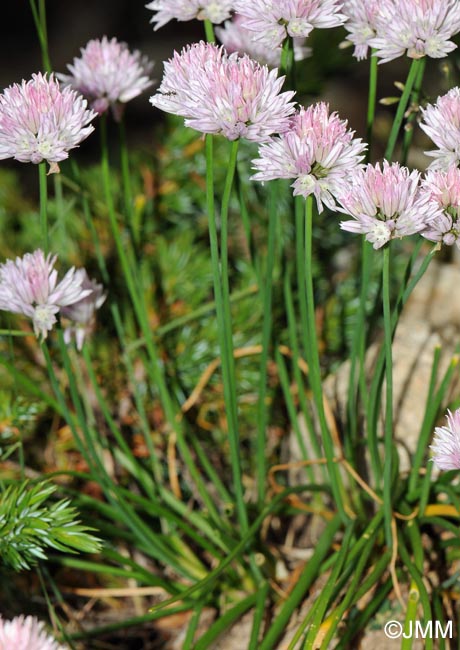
(30, 523)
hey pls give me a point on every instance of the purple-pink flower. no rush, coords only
(224, 94)
(216, 11)
(108, 74)
(318, 151)
(361, 24)
(236, 38)
(39, 121)
(386, 203)
(443, 188)
(417, 28)
(26, 633)
(441, 122)
(29, 286)
(81, 313)
(273, 20)
(446, 443)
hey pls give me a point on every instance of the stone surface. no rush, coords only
(431, 318)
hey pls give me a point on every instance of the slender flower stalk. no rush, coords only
(314, 368)
(359, 339)
(388, 429)
(266, 298)
(43, 187)
(39, 16)
(224, 323)
(401, 110)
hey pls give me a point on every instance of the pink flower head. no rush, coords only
(82, 313)
(444, 189)
(446, 443)
(417, 28)
(39, 121)
(361, 24)
(236, 38)
(108, 74)
(318, 151)
(215, 11)
(386, 203)
(441, 122)
(29, 286)
(224, 94)
(26, 633)
(273, 20)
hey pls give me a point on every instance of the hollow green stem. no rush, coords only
(287, 64)
(39, 16)
(409, 132)
(397, 122)
(127, 185)
(209, 31)
(359, 339)
(371, 101)
(43, 205)
(156, 372)
(311, 347)
(224, 326)
(388, 431)
(266, 298)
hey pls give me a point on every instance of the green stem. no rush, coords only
(127, 185)
(314, 364)
(359, 340)
(224, 323)
(156, 373)
(209, 31)
(388, 431)
(371, 101)
(413, 72)
(43, 205)
(39, 16)
(287, 63)
(266, 298)
(409, 133)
